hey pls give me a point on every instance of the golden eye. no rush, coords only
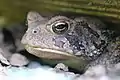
(60, 27)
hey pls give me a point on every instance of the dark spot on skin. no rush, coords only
(75, 43)
(90, 37)
(89, 29)
(73, 40)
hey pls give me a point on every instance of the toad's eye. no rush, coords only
(60, 27)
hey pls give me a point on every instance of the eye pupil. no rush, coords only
(60, 27)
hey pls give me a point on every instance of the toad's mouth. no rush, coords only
(48, 53)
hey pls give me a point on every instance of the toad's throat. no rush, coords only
(48, 53)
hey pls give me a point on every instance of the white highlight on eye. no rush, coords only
(59, 23)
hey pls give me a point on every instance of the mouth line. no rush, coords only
(53, 51)
(49, 51)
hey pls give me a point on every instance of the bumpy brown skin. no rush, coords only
(111, 56)
(61, 37)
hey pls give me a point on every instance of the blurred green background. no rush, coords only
(14, 11)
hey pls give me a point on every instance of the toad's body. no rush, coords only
(61, 37)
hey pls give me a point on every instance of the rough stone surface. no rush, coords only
(18, 60)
